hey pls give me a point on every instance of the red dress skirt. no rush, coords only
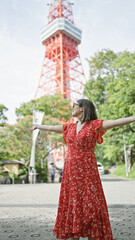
(82, 209)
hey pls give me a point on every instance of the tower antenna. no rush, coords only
(62, 70)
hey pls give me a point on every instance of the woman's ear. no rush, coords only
(81, 109)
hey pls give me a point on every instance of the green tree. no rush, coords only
(111, 87)
(100, 71)
(4, 152)
(57, 110)
(16, 140)
(3, 118)
(53, 106)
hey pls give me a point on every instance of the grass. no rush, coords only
(121, 171)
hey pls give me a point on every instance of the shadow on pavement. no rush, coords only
(108, 178)
(29, 221)
(122, 218)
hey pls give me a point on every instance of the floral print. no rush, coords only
(82, 209)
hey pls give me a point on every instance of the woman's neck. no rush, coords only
(80, 123)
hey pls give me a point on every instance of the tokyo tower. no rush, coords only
(62, 70)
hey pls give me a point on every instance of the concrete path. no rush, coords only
(28, 212)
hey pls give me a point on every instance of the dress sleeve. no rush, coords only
(97, 124)
(65, 131)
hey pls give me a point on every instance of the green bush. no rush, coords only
(42, 171)
(121, 171)
(22, 171)
(45, 179)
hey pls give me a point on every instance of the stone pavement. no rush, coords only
(28, 212)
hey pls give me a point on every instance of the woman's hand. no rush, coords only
(33, 128)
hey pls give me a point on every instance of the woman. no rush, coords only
(82, 209)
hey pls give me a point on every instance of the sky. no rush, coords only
(104, 23)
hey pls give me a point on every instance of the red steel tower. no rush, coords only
(62, 70)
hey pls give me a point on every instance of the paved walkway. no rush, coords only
(28, 212)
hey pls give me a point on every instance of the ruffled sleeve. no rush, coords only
(65, 131)
(97, 124)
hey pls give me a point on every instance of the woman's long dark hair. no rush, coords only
(89, 110)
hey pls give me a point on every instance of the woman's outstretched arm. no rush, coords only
(108, 124)
(50, 128)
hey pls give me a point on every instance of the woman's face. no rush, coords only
(76, 110)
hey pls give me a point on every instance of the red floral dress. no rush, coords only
(82, 209)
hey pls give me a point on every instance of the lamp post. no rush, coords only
(125, 155)
(37, 119)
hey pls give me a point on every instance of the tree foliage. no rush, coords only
(57, 110)
(16, 140)
(3, 117)
(54, 106)
(111, 87)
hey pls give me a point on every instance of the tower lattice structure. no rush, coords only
(62, 70)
